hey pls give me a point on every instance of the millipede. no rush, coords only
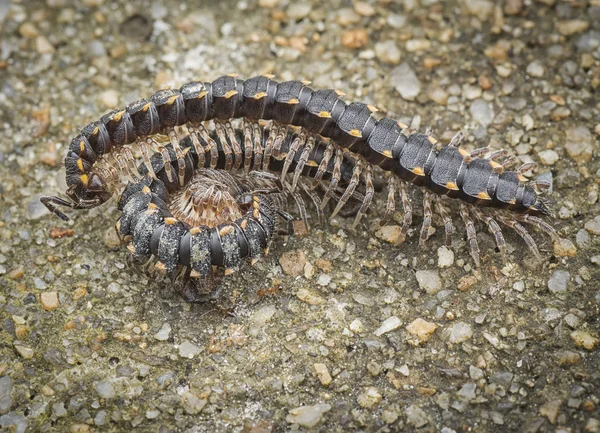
(322, 132)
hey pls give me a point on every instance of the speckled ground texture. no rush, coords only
(339, 330)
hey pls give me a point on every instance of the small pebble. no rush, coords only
(388, 325)
(416, 416)
(565, 248)
(388, 52)
(405, 81)
(192, 404)
(460, 332)
(357, 38)
(163, 332)
(593, 226)
(187, 349)
(550, 410)
(482, 112)
(391, 234)
(535, 69)
(422, 329)
(429, 280)
(363, 8)
(416, 45)
(309, 297)
(292, 262)
(43, 45)
(570, 27)
(28, 30)
(109, 98)
(445, 257)
(49, 301)
(105, 389)
(307, 416)
(357, 326)
(323, 374)
(438, 95)
(584, 339)
(558, 281)
(369, 398)
(298, 10)
(548, 157)
(324, 280)
(579, 144)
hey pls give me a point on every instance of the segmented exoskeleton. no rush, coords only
(386, 143)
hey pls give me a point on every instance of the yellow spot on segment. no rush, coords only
(80, 164)
(269, 76)
(232, 75)
(464, 153)
(202, 94)
(266, 250)
(339, 92)
(522, 178)
(452, 186)
(228, 271)
(226, 230)
(306, 82)
(146, 190)
(131, 248)
(118, 225)
(84, 179)
(418, 171)
(230, 94)
(160, 266)
(325, 114)
(402, 125)
(387, 153)
(244, 224)
(312, 163)
(95, 131)
(195, 274)
(195, 230)
(255, 213)
(82, 146)
(293, 101)
(152, 206)
(355, 133)
(260, 95)
(483, 196)
(253, 261)
(495, 165)
(172, 99)
(372, 108)
(512, 201)
(431, 139)
(170, 221)
(147, 106)
(117, 117)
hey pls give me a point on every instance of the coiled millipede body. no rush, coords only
(207, 110)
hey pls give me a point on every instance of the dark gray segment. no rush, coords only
(197, 98)
(252, 107)
(168, 245)
(256, 236)
(98, 137)
(386, 137)
(81, 146)
(119, 127)
(479, 178)
(241, 239)
(224, 101)
(158, 188)
(355, 118)
(283, 110)
(321, 101)
(144, 116)
(131, 189)
(147, 222)
(170, 107)
(137, 203)
(417, 153)
(200, 255)
(230, 247)
(216, 249)
(529, 198)
(449, 167)
(155, 238)
(185, 248)
(508, 186)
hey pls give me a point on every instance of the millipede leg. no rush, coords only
(335, 177)
(496, 231)
(247, 147)
(457, 139)
(193, 133)
(324, 164)
(225, 145)
(354, 180)
(522, 231)
(174, 139)
(302, 161)
(237, 150)
(301, 208)
(427, 214)
(145, 151)
(540, 224)
(369, 193)
(448, 224)
(279, 139)
(210, 145)
(271, 131)
(167, 162)
(476, 153)
(131, 163)
(471, 234)
(298, 143)
(316, 201)
(407, 207)
(390, 205)
(258, 147)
